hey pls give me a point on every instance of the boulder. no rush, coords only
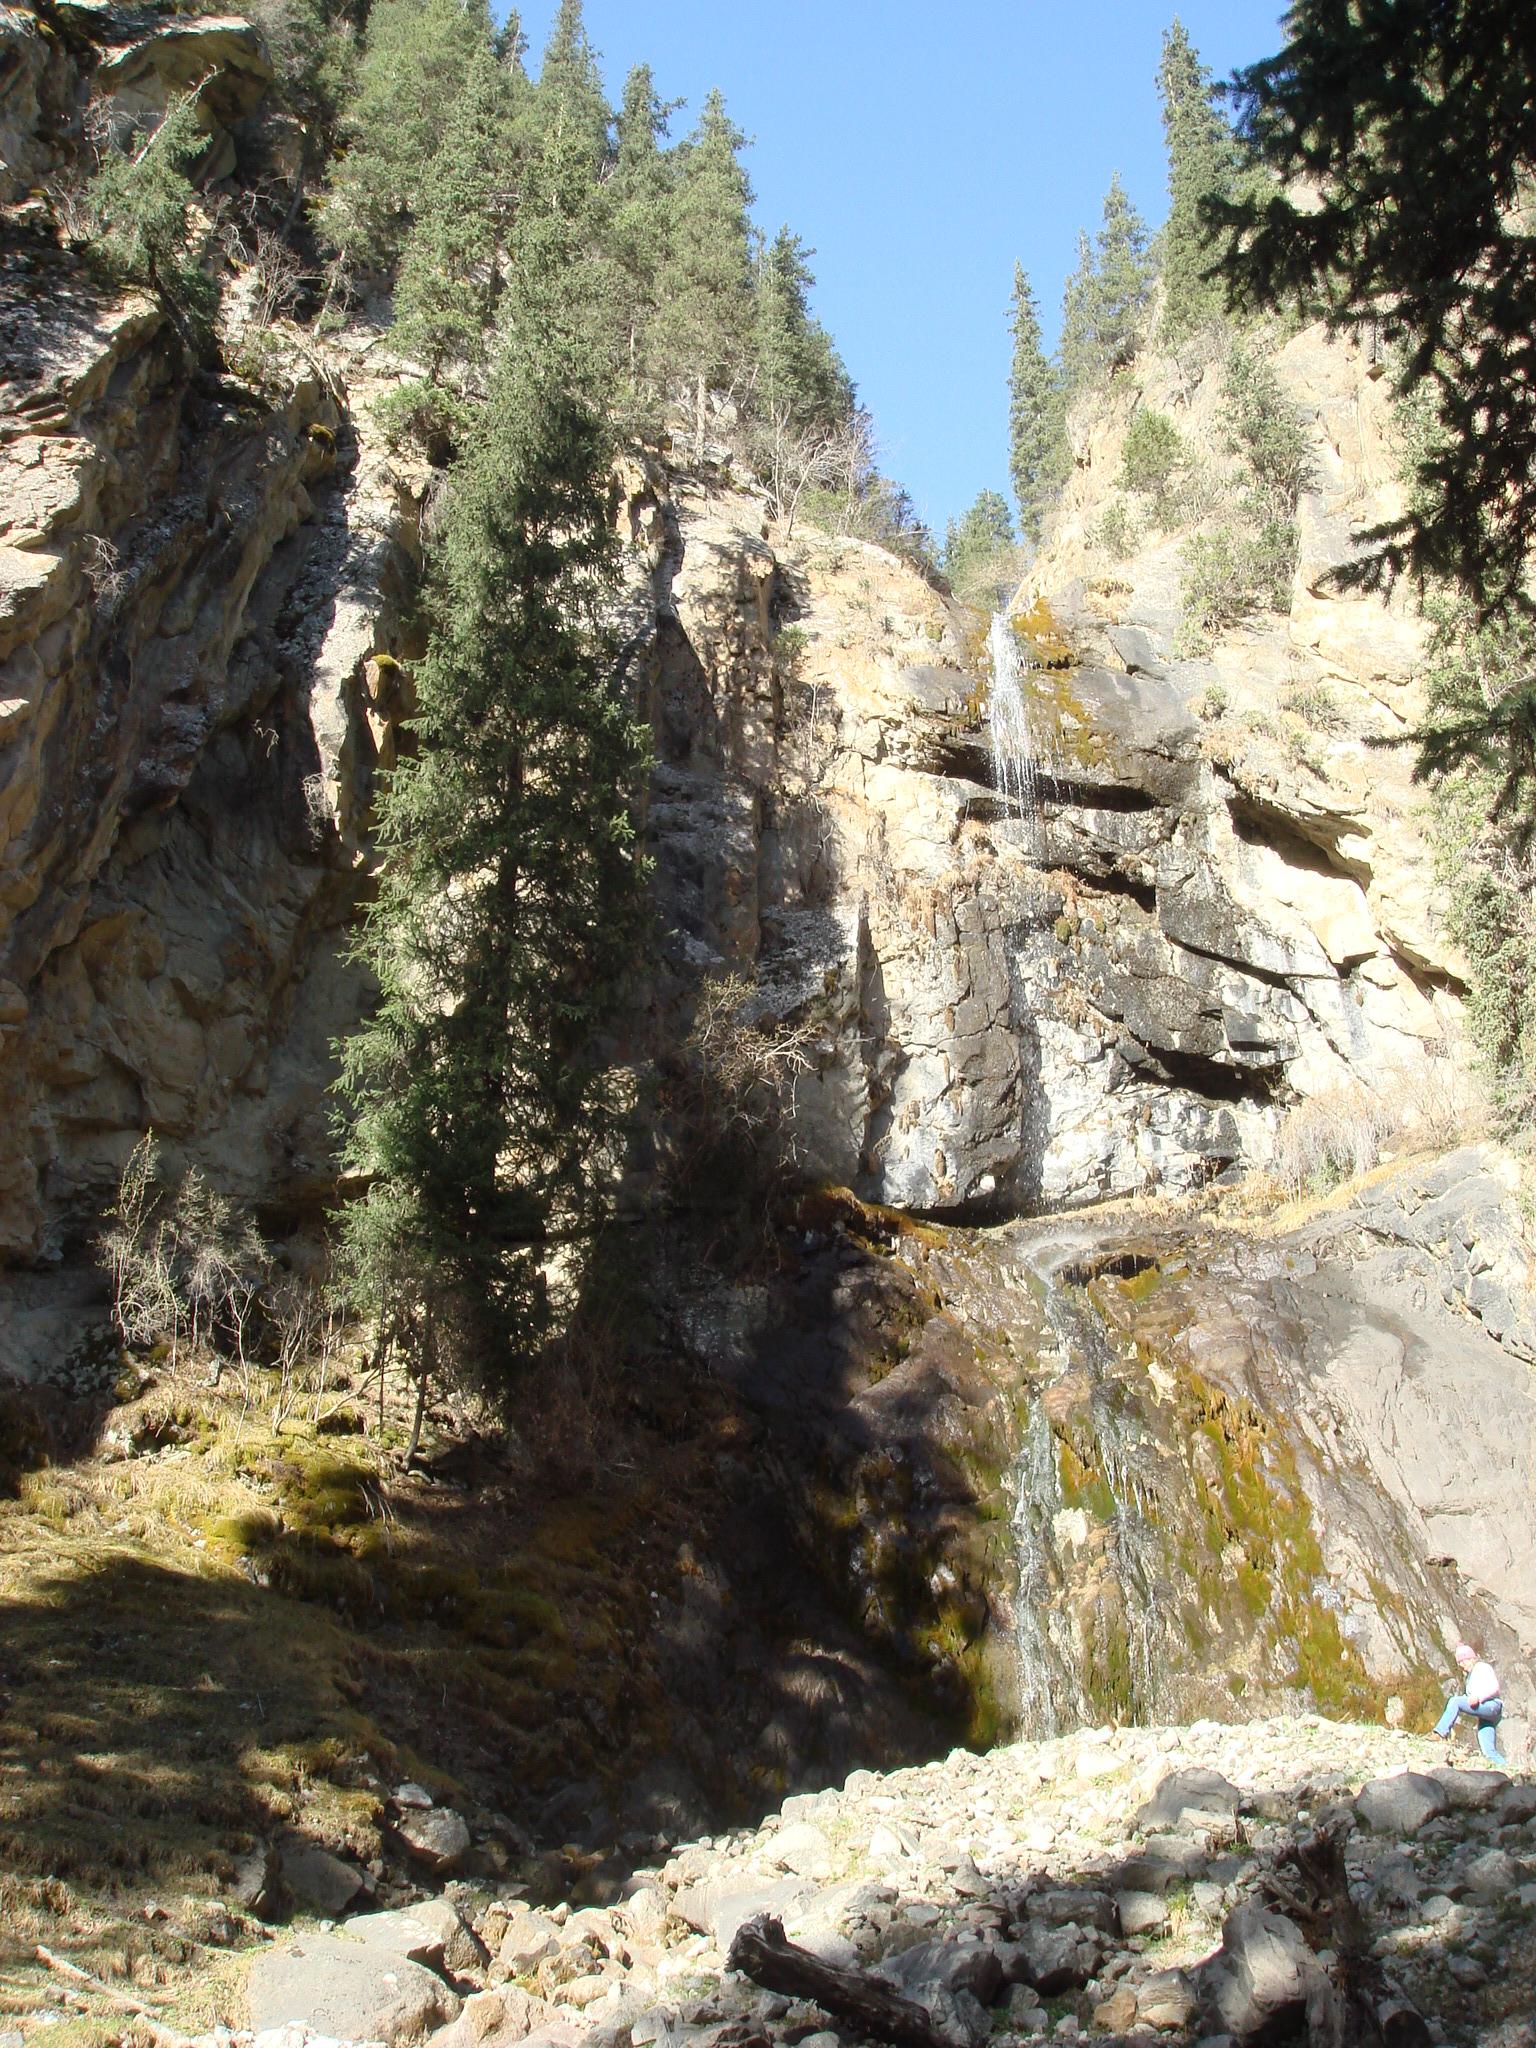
(1185, 1793)
(432, 1933)
(1263, 1980)
(951, 1966)
(1471, 1791)
(1075, 1905)
(438, 1838)
(1166, 1999)
(1403, 1804)
(347, 1990)
(317, 1880)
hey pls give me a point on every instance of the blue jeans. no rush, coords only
(1487, 1713)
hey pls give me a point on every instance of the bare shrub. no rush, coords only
(1331, 1137)
(187, 1264)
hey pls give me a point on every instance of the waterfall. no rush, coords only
(1063, 1676)
(1015, 748)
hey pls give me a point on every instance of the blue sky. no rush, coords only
(922, 151)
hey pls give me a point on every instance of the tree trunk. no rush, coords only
(761, 1952)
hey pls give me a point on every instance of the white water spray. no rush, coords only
(1015, 747)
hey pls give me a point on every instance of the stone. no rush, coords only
(438, 1838)
(1402, 1804)
(317, 1880)
(1166, 2000)
(344, 1989)
(432, 1932)
(1185, 1793)
(1141, 1912)
(1471, 1791)
(412, 1795)
(802, 1849)
(1261, 1979)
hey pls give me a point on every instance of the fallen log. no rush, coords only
(761, 1952)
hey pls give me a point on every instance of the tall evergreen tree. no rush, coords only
(639, 199)
(449, 267)
(979, 555)
(1202, 165)
(1037, 433)
(414, 67)
(704, 321)
(509, 897)
(1123, 279)
(1106, 297)
(571, 87)
(799, 375)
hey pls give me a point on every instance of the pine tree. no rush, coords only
(1037, 434)
(979, 557)
(1079, 360)
(449, 267)
(1202, 165)
(704, 321)
(1123, 279)
(509, 897)
(1106, 296)
(1413, 127)
(415, 65)
(800, 378)
(571, 87)
(639, 199)
(138, 206)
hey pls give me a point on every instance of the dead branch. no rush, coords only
(761, 1952)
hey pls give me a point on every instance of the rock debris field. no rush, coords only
(1280, 1880)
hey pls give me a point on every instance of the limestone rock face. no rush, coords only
(184, 580)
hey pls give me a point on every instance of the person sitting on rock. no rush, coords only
(1480, 1698)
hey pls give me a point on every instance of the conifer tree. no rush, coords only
(1202, 165)
(1123, 279)
(415, 64)
(799, 375)
(1037, 434)
(449, 267)
(571, 87)
(703, 324)
(639, 201)
(509, 898)
(978, 550)
(1106, 296)
(138, 203)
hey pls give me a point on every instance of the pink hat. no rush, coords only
(1465, 1651)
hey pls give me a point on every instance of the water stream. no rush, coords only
(1088, 1481)
(1016, 746)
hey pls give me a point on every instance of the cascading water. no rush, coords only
(1071, 1665)
(1015, 745)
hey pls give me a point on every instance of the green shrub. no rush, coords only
(1230, 574)
(1154, 451)
(1118, 532)
(1265, 429)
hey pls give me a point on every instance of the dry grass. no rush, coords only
(213, 1631)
